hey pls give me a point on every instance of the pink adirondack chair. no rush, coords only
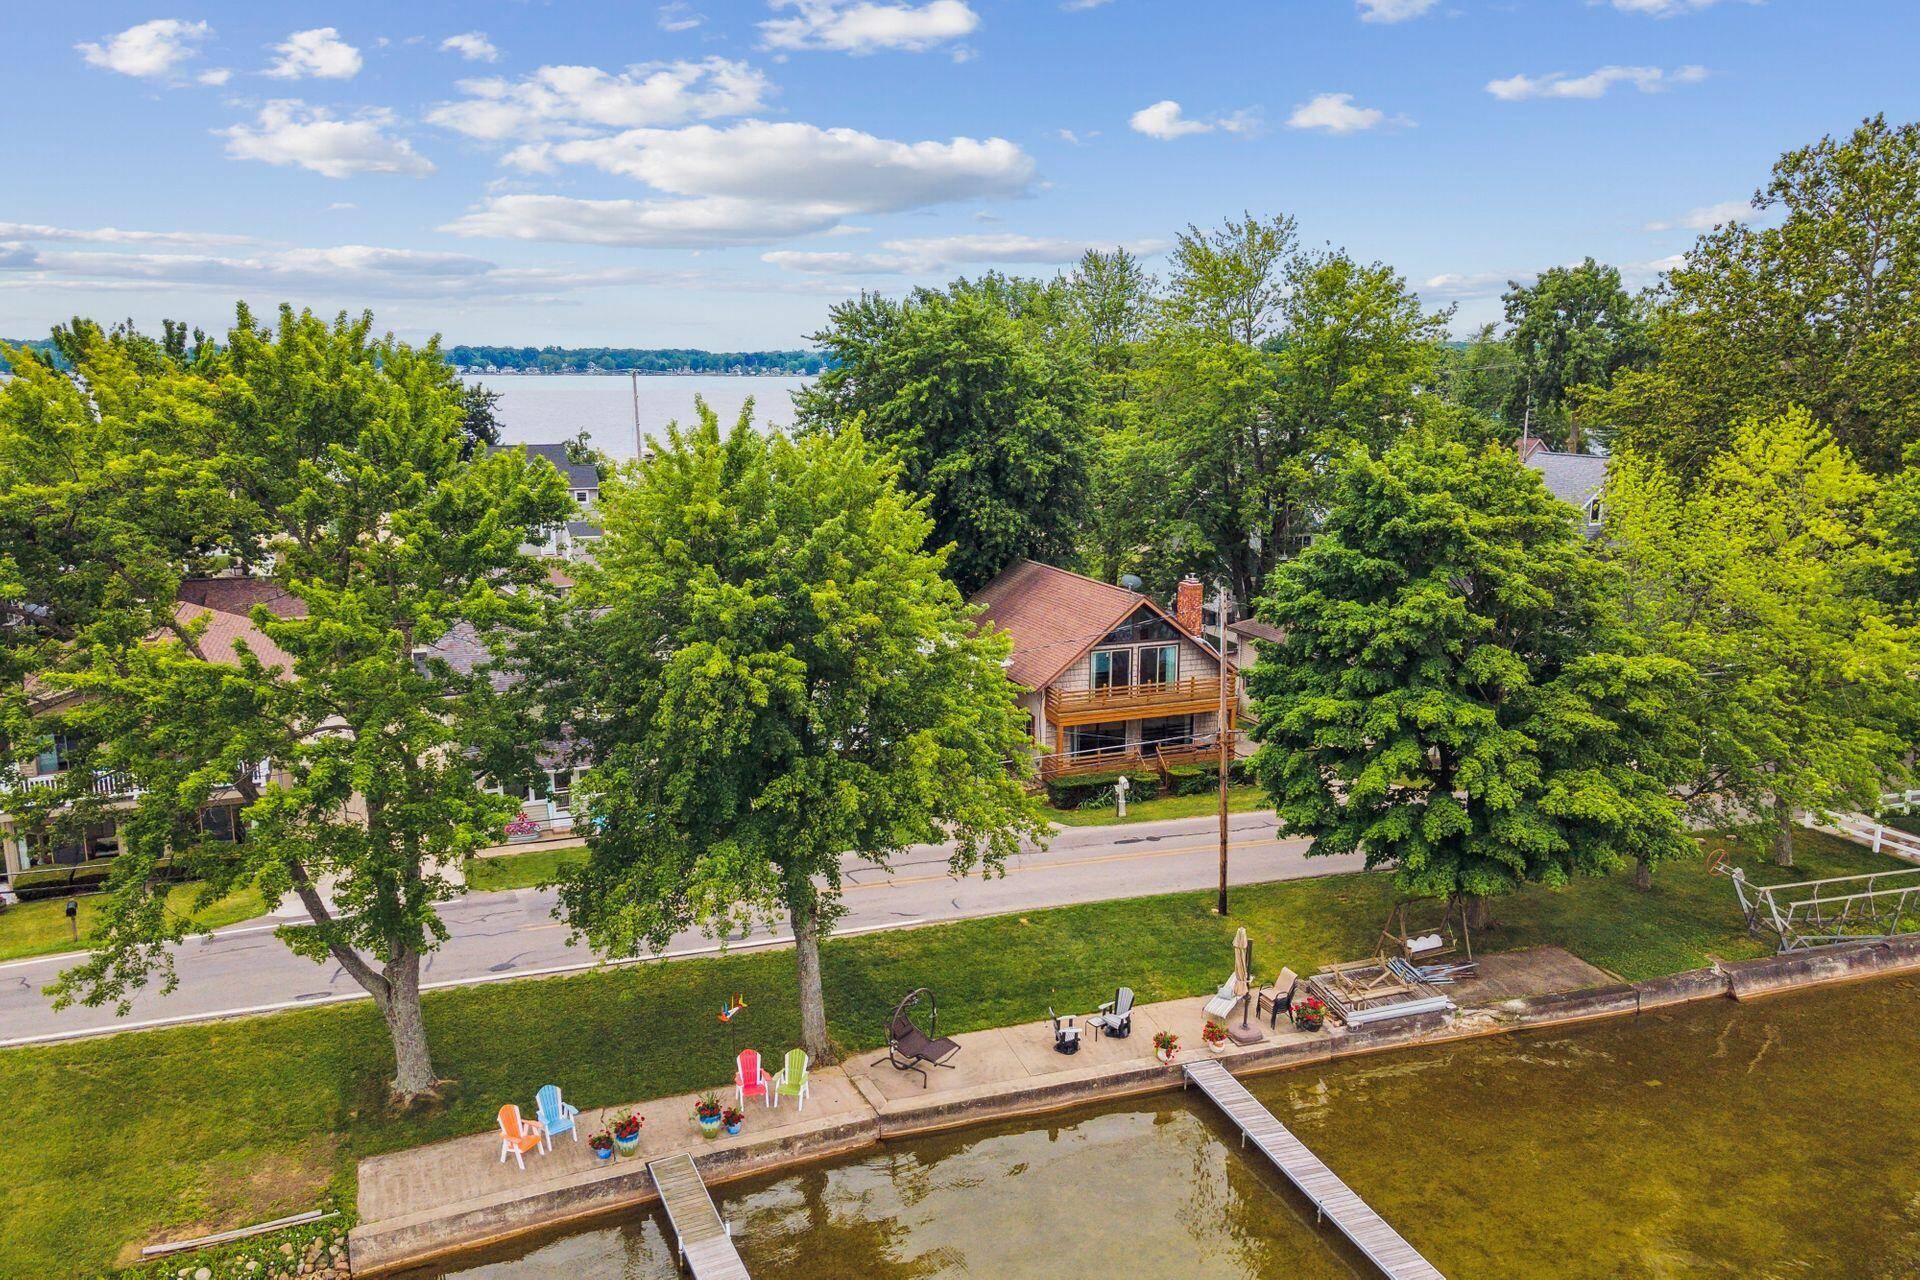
(749, 1081)
(518, 1136)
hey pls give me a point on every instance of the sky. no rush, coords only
(717, 173)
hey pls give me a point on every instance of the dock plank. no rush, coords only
(705, 1244)
(1386, 1248)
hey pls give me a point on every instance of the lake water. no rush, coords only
(1768, 1141)
(538, 410)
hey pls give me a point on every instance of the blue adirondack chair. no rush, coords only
(556, 1115)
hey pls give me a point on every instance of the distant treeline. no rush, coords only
(41, 345)
(632, 360)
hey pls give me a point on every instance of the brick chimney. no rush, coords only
(1187, 603)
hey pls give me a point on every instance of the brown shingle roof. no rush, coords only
(239, 595)
(225, 628)
(1054, 616)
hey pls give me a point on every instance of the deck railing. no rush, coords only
(1132, 701)
(1150, 755)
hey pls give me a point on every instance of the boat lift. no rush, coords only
(1820, 913)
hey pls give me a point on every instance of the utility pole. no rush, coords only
(639, 446)
(1220, 729)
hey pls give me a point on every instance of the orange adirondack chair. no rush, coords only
(749, 1081)
(517, 1136)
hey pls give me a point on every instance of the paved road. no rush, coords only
(498, 936)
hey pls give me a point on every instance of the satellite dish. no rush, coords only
(1131, 581)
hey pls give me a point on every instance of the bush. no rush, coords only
(1095, 790)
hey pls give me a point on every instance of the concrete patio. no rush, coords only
(458, 1195)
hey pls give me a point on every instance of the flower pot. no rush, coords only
(1167, 1055)
(626, 1146)
(1218, 1046)
(709, 1129)
(603, 1153)
(733, 1130)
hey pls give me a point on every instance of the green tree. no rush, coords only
(1572, 327)
(1760, 576)
(1821, 310)
(327, 464)
(1479, 375)
(1455, 696)
(479, 419)
(772, 672)
(984, 407)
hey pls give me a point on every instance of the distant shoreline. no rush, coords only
(626, 373)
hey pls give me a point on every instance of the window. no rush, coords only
(561, 790)
(1112, 668)
(1145, 626)
(1098, 737)
(221, 822)
(1159, 664)
(1593, 511)
(54, 757)
(1171, 729)
(580, 496)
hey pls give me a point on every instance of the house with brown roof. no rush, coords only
(1110, 679)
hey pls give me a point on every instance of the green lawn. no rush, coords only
(111, 1142)
(40, 928)
(520, 870)
(1240, 799)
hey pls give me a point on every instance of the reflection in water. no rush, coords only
(1769, 1141)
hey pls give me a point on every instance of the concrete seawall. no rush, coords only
(866, 1114)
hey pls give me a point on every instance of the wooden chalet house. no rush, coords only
(1111, 681)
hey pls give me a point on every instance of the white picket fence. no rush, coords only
(1877, 835)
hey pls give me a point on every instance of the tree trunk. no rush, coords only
(805, 913)
(1643, 875)
(413, 1077)
(1479, 911)
(1783, 833)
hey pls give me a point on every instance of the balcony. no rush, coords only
(1134, 701)
(1159, 757)
(112, 785)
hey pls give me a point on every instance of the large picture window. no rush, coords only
(1112, 668)
(1168, 729)
(1159, 664)
(1099, 737)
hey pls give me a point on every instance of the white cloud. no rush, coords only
(1335, 113)
(112, 235)
(152, 49)
(214, 77)
(1705, 218)
(314, 138)
(679, 16)
(1594, 84)
(1166, 121)
(751, 183)
(1474, 284)
(471, 45)
(320, 53)
(567, 100)
(1392, 10)
(866, 27)
(1081, 6)
(931, 254)
(1663, 8)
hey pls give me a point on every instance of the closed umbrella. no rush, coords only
(1242, 971)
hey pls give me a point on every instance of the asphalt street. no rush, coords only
(503, 936)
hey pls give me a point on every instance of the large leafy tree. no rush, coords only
(982, 402)
(1264, 366)
(1760, 575)
(325, 466)
(1455, 695)
(772, 672)
(1821, 309)
(1572, 327)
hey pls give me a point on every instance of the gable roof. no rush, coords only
(1574, 478)
(1054, 615)
(224, 628)
(580, 475)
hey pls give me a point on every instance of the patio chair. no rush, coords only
(1277, 999)
(556, 1114)
(1115, 1017)
(1224, 1001)
(1066, 1036)
(792, 1082)
(911, 1049)
(749, 1081)
(517, 1136)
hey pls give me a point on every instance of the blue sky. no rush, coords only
(715, 174)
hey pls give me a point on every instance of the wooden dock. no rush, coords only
(1333, 1198)
(705, 1244)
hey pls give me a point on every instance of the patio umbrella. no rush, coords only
(1242, 970)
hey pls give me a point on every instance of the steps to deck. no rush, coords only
(705, 1245)
(1335, 1200)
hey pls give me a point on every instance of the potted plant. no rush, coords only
(1165, 1045)
(732, 1117)
(626, 1133)
(1310, 1014)
(522, 829)
(707, 1113)
(602, 1144)
(1215, 1035)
